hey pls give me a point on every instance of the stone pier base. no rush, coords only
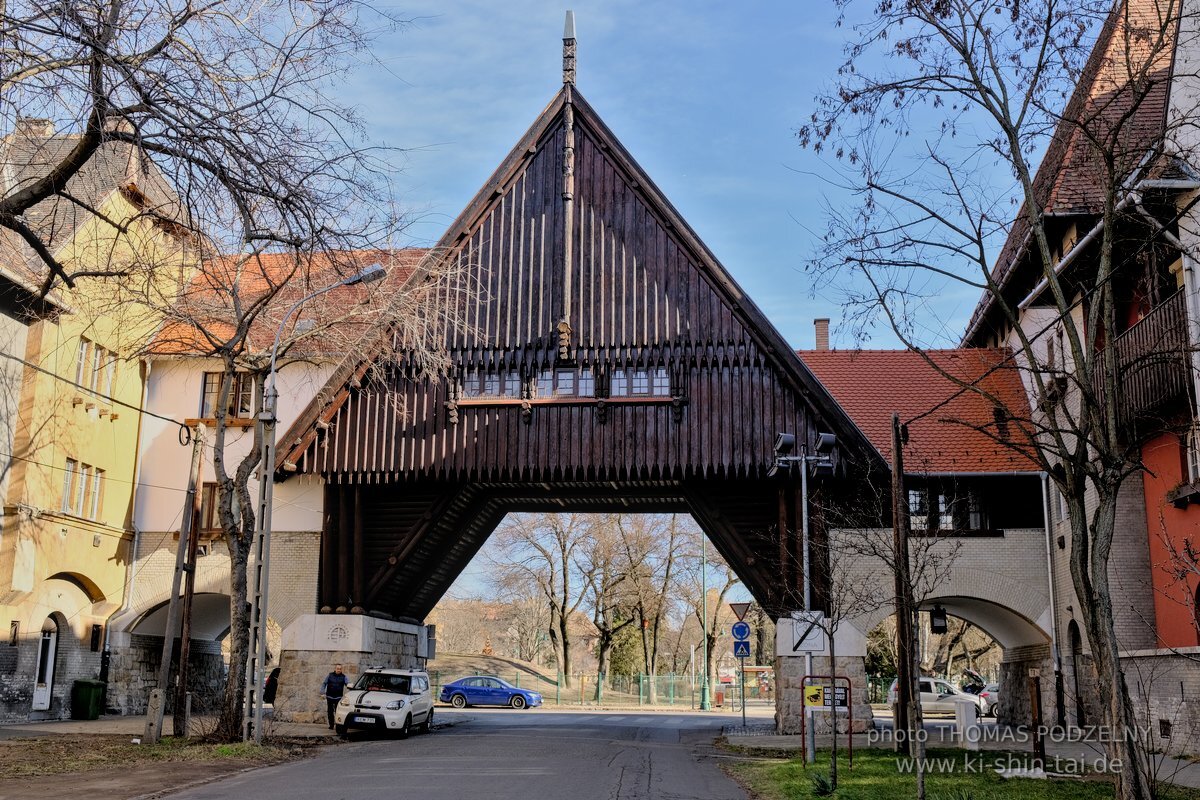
(313, 643)
(851, 649)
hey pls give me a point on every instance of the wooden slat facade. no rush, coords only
(588, 268)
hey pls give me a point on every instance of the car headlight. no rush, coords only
(395, 705)
(345, 701)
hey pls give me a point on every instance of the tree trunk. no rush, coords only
(229, 726)
(1089, 571)
(604, 648)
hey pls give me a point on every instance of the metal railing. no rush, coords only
(1152, 360)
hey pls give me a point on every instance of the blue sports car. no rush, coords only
(484, 691)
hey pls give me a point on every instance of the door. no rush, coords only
(493, 693)
(945, 696)
(929, 699)
(425, 698)
(475, 692)
(43, 686)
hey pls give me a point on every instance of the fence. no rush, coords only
(669, 690)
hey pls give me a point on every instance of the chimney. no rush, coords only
(822, 326)
(34, 128)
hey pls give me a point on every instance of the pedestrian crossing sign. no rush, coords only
(741, 649)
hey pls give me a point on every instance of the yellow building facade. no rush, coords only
(66, 535)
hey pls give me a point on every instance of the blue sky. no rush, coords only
(706, 95)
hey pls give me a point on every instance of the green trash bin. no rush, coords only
(86, 699)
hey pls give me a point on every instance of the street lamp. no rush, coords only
(257, 643)
(822, 460)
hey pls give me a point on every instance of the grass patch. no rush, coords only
(54, 755)
(877, 776)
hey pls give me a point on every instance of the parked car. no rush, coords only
(990, 699)
(481, 690)
(939, 697)
(386, 700)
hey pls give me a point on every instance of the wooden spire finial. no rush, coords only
(569, 49)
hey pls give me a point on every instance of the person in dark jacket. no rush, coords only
(332, 689)
(271, 687)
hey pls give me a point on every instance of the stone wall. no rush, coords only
(1164, 687)
(73, 660)
(789, 697)
(313, 643)
(1016, 698)
(133, 672)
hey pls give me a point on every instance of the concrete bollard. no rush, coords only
(966, 722)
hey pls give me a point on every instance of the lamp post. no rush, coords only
(261, 548)
(785, 443)
(705, 705)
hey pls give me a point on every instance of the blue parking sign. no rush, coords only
(741, 649)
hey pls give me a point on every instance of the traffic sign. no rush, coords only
(739, 610)
(741, 630)
(741, 649)
(808, 632)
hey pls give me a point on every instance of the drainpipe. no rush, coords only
(1059, 706)
(131, 567)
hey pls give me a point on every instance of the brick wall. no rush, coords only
(133, 672)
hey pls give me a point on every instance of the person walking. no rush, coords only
(332, 689)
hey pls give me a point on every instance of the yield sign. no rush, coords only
(739, 610)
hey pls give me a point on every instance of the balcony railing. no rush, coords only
(1152, 358)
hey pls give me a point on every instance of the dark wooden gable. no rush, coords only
(635, 290)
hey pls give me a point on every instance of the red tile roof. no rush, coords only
(951, 430)
(205, 311)
(1121, 103)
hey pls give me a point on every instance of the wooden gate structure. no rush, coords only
(608, 363)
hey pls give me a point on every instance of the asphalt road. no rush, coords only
(500, 754)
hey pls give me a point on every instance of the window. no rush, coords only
(918, 509)
(83, 487)
(618, 384)
(512, 384)
(83, 363)
(94, 507)
(564, 383)
(1062, 506)
(662, 383)
(1193, 453)
(587, 383)
(640, 382)
(95, 367)
(545, 384)
(69, 484)
(208, 522)
(241, 395)
(945, 512)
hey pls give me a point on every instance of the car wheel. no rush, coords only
(424, 727)
(517, 701)
(978, 713)
(405, 728)
(458, 701)
(340, 730)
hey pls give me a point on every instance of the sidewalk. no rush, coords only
(135, 726)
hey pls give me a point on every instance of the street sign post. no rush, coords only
(741, 651)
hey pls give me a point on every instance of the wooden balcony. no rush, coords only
(1153, 358)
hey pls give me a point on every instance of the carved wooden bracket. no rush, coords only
(526, 412)
(601, 411)
(451, 412)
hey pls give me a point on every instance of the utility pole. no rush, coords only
(904, 635)
(179, 715)
(154, 719)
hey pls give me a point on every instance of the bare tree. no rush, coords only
(229, 101)
(936, 152)
(602, 561)
(709, 608)
(649, 544)
(543, 551)
(233, 308)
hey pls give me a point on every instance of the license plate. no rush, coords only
(368, 720)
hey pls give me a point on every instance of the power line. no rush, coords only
(183, 439)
